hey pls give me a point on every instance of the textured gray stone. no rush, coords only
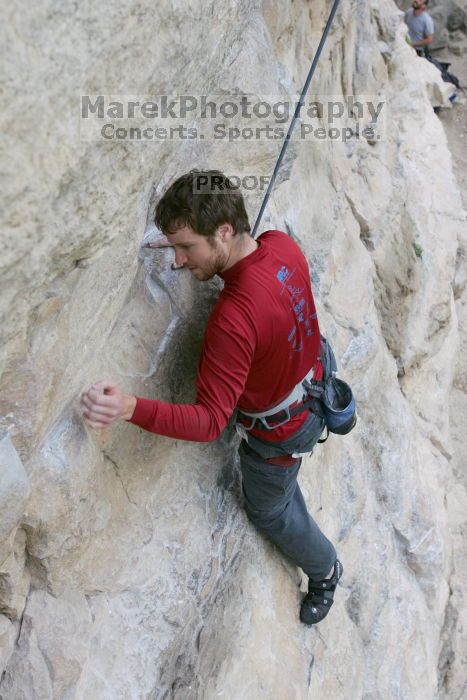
(146, 578)
(14, 486)
(7, 641)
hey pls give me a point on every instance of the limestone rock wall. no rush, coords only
(128, 568)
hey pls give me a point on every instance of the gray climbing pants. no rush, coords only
(275, 504)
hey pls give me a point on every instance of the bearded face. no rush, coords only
(203, 256)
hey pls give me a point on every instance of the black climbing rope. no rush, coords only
(296, 115)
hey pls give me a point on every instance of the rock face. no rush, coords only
(128, 568)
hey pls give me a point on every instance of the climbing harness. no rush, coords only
(329, 398)
(296, 395)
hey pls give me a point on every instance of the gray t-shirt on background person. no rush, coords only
(419, 27)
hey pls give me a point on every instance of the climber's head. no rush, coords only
(203, 216)
(202, 200)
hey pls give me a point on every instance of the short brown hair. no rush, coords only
(202, 200)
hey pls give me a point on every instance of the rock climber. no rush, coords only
(261, 341)
(420, 25)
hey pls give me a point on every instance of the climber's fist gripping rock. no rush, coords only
(105, 403)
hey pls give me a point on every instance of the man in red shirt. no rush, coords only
(261, 342)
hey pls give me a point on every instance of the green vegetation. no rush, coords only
(418, 249)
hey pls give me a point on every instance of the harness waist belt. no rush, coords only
(296, 395)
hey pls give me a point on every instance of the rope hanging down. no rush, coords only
(296, 115)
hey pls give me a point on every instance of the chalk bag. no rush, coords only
(339, 406)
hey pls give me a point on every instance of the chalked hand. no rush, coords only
(105, 403)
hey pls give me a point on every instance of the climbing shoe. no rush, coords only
(317, 603)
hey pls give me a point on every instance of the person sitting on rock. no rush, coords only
(261, 344)
(420, 25)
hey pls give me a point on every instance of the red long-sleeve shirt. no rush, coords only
(261, 339)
